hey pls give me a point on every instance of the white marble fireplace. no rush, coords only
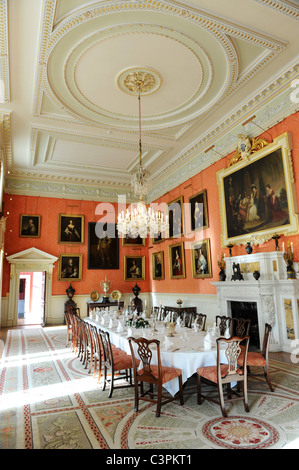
(277, 297)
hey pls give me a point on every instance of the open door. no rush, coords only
(31, 306)
(36, 261)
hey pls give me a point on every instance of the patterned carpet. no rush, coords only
(48, 401)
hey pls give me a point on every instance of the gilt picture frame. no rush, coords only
(198, 207)
(158, 272)
(257, 195)
(70, 267)
(176, 218)
(30, 226)
(134, 268)
(103, 246)
(71, 229)
(201, 259)
(129, 241)
(176, 256)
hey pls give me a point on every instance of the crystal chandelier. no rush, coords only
(140, 220)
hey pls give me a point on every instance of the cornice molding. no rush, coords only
(4, 54)
(282, 6)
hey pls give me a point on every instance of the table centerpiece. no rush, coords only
(137, 322)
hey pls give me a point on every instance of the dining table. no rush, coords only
(185, 350)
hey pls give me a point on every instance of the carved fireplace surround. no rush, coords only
(277, 297)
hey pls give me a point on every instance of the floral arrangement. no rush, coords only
(137, 322)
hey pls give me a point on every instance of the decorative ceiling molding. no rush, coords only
(71, 132)
(4, 54)
(219, 29)
(286, 7)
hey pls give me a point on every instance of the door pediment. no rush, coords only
(32, 255)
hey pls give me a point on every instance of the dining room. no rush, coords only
(148, 180)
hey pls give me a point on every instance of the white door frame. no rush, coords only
(28, 260)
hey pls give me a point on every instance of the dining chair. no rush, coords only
(200, 319)
(160, 313)
(69, 330)
(154, 375)
(84, 346)
(187, 319)
(115, 360)
(226, 373)
(223, 323)
(240, 326)
(76, 311)
(75, 332)
(97, 351)
(261, 359)
(172, 313)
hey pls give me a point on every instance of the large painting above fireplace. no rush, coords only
(256, 195)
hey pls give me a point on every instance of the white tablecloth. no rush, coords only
(187, 349)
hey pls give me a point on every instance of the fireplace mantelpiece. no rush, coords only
(277, 298)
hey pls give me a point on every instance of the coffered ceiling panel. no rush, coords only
(64, 66)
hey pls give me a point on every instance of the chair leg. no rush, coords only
(136, 396)
(198, 390)
(245, 396)
(159, 401)
(221, 398)
(181, 390)
(267, 376)
(111, 384)
(105, 378)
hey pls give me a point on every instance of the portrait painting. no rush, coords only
(158, 265)
(177, 261)
(175, 218)
(30, 226)
(129, 241)
(158, 238)
(103, 246)
(256, 195)
(70, 267)
(198, 209)
(134, 268)
(201, 259)
(71, 229)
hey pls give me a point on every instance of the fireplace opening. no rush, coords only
(248, 310)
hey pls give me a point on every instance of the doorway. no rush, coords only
(31, 300)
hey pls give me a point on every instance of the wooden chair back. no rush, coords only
(223, 323)
(144, 353)
(188, 319)
(232, 353)
(240, 326)
(201, 319)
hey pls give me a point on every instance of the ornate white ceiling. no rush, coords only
(70, 130)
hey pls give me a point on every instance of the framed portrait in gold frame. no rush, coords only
(134, 268)
(177, 261)
(257, 195)
(158, 265)
(70, 267)
(71, 229)
(198, 208)
(29, 226)
(201, 259)
(176, 218)
(128, 241)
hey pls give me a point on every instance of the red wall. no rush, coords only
(49, 208)
(207, 180)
